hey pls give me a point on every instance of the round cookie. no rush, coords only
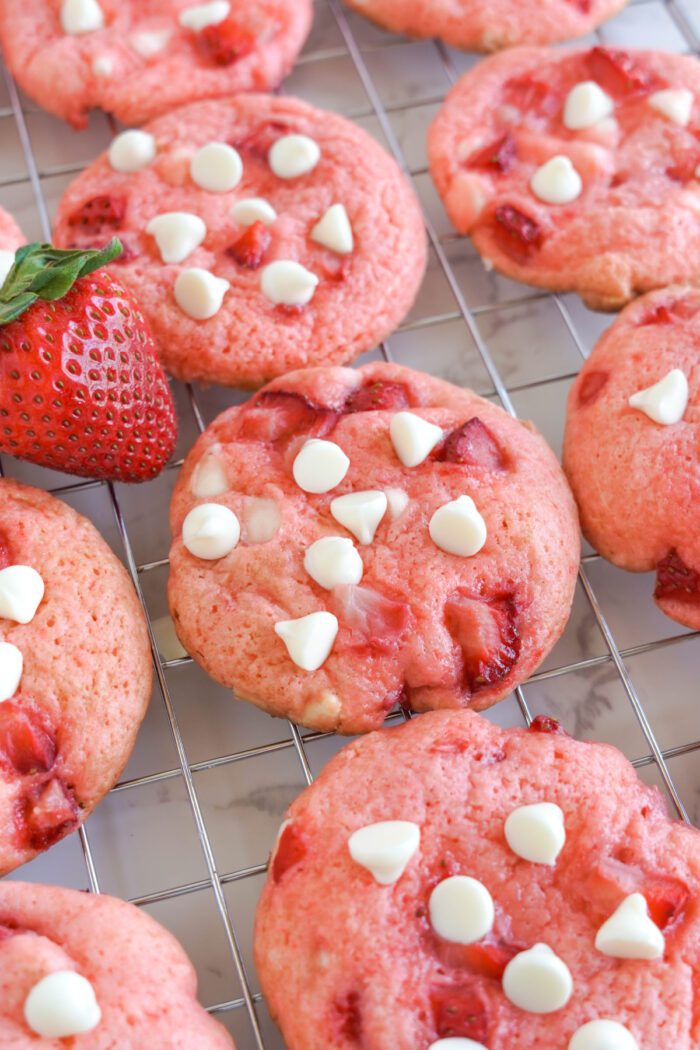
(488, 25)
(402, 936)
(446, 584)
(633, 466)
(75, 670)
(11, 238)
(143, 983)
(138, 60)
(320, 260)
(576, 170)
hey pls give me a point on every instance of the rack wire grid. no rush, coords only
(186, 833)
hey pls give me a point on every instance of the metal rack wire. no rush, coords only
(164, 837)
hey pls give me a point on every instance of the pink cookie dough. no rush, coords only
(10, 234)
(145, 985)
(489, 25)
(423, 628)
(635, 480)
(635, 224)
(143, 62)
(361, 296)
(67, 733)
(346, 962)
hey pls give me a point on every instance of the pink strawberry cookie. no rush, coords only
(75, 671)
(137, 60)
(632, 436)
(94, 973)
(10, 240)
(577, 170)
(449, 885)
(488, 25)
(350, 539)
(261, 235)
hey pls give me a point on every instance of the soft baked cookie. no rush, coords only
(11, 238)
(631, 446)
(449, 885)
(75, 670)
(139, 59)
(576, 170)
(488, 25)
(349, 539)
(261, 235)
(95, 971)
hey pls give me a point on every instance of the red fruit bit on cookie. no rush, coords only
(26, 744)
(591, 386)
(676, 580)
(378, 397)
(584, 6)
(517, 234)
(100, 213)
(618, 72)
(498, 156)
(374, 621)
(488, 958)
(613, 879)
(486, 632)
(279, 415)
(5, 553)
(459, 1012)
(49, 814)
(225, 42)
(474, 445)
(249, 250)
(529, 95)
(348, 1018)
(545, 724)
(666, 898)
(291, 849)
(259, 141)
(667, 313)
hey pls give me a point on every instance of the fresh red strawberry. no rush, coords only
(498, 156)
(99, 214)
(81, 389)
(27, 745)
(486, 632)
(379, 396)
(459, 1011)
(590, 386)
(676, 580)
(225, 42)
(249, 250)
(291, 849)
(517, 234)
(618, 72)
(530, 96)
(474, 445)
(373, 620)
(545, 724)
(49, 814)
(280, 415)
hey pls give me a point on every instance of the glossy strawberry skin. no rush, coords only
(517, 234)
(81, 389)
(249, 250)
(225, 42)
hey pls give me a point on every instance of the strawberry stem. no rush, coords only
(41, 271)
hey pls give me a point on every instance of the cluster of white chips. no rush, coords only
(21, 591)
(218, 168)
(462, 911)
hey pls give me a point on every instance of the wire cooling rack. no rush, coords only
(186, 833)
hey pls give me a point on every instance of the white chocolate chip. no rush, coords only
(261, 520)
(208, 477)
(360, 513)
(538, 981)
(385, 849)
(398, 501)
(674, 103)
(334, 231)
(557, 181)
(333, 561)
(216, 167)
(603, 1035)
(81, 16)
(21, 591)
(666, 401)
(309, 639)
(177, 234)
(132, 150)
(6, 263)
(253, 209)
(11, 665)
(536, 832)
(461, 909)
(458, 528)
(586, 105)
(103, 65)
(199, 293)
(210, 531)
(288, 283)
(629, 933)
(413, 438)
(149, 43)
(199, 16)
(294, 155)
(61, 1005)
(319, 466)
(456, 1042)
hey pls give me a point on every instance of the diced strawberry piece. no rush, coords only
(488, 958)
(279, 415)
(517, 234)
(459, 1011)
(584, 6)
(613, 879)
(225, 42)
(379, 396)
(372, 620)
(486, 632)
(591, 386)
(667, 313)
(105, 212)
(260, 140)
(49, 814)
(26, 743)
(474, 445)
(545, 724)
(498, 156)
(684, 168)
(348, 1018)
(5, 553)
(676, 580)
(618, 72)
(249, 250)
(333, 267)
(530, 96)
(666, 898)
(291, 850)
